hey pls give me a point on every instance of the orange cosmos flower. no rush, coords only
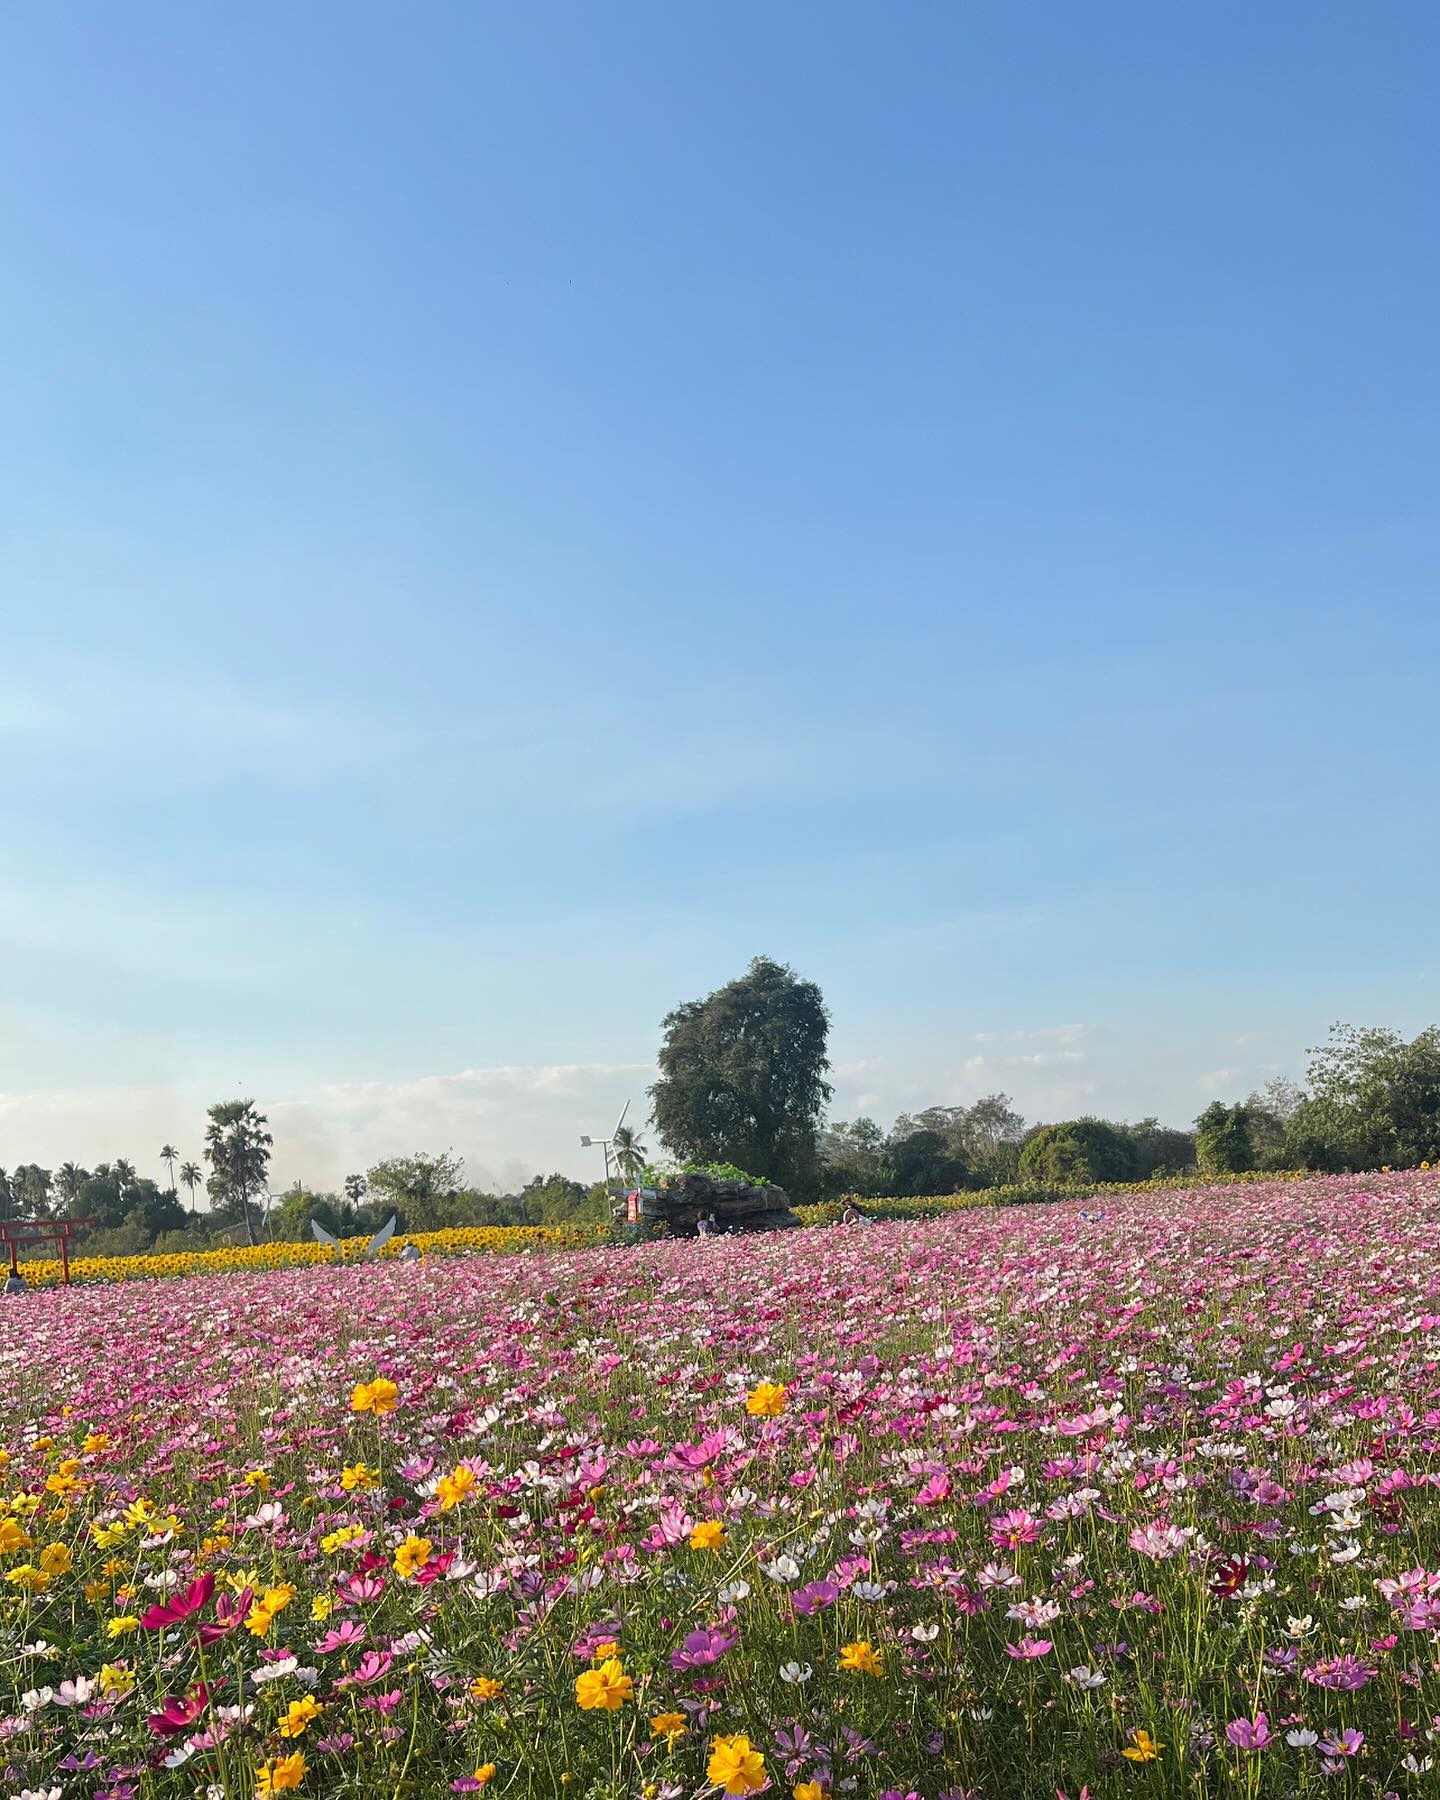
(605, 1689)
(379, 1397)
(767, 1401)
(736, 1765)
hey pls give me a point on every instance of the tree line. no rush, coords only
(743, 1080)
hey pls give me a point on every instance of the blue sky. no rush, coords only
(506, 513)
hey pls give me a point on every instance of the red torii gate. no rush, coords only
(24, 1234)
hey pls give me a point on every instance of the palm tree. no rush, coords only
(629, 1151)
(192, 1175)
(71, 1178)
(237, 1147)
(124, 1173)
(169, 1155)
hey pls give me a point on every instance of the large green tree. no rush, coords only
(1078, 1150)
(237, 1148)
(742, 1076)
(1223, 1144)
(422, 1191)
(1372, 1099)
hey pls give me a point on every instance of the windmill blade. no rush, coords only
(620, 1121)
(322, 1236)
(381, 1238)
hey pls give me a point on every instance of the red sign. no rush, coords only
(632, 1207)
(27, 1234)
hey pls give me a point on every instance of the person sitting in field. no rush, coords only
(852, 1215)
(15, 1283)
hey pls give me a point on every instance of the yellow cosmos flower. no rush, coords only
(321, 1607)
(413, 1554)
(55, 1559)
(736, 1765)
(298, 1716)
(139, 1512)
(1143, 1748)
(807, 1790)
(25, 1506)
(605, 1689)
(13, 1537)
(339, 1538)
(97, 1442)
(670, 1726)
(63, 1483)
(27, 1576)
(451, 1489)
(485, 1774)
(107, 1537)
(860, 1658)
(115, 1680)
(282, 1773)
(709, 1534)
(359, 1475)
(485, 1687)
(95, 1590)
(123, 1626)
(378, 1397)
(767, 1401)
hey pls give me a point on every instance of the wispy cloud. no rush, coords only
(509, 1123)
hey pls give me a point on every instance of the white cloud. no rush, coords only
(1216, 1079)
(1055, 1034)
(509, 1123)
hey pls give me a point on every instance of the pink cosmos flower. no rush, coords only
(373, 1666)
(1012, 1529)
(1250, 1734)
(1029, 1648)
(703, 1647)
(1341, 1674)
(176, 1611)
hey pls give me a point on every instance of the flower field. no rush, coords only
(1138, 1495)
(460, 1240)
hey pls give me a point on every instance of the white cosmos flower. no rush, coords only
(732, 1592)
(783, 1568)
(795, 1673)
(1302, 1739)
(275, 1671)
(1085, 1677)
